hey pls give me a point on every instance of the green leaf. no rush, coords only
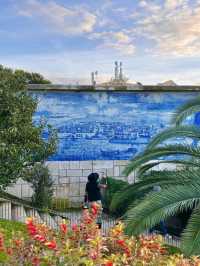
(160, 205)
(158, 152)
(190, 242)
(186, 110)
(174, 132)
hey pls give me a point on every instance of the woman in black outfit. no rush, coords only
(93, 194)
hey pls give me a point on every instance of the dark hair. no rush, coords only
(93, 177)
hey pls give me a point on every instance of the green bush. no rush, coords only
(113, 186)
(60, 204)
(172, 250)
(42, 185)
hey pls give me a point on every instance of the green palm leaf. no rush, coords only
(186, 110)
(137, 190)
(190, 242)
(181, 131)
(148, 166)
(160, 205)
(158, 152)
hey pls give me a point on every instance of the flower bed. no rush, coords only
(84, 245)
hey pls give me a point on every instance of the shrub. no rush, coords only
(83, 245)
(60, 204)
(113, 186)
(41, 184)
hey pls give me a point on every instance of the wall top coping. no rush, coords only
(136, 87)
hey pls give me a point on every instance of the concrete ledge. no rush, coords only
(134, 87)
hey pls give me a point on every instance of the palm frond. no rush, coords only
(158, 152)
(181, 131)
(160, 205)
(186, 110)
(148, 166)
(190, 241)
(134, 191)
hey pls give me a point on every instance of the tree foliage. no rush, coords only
(41, 184)
(179, 187)
(30, 78)
(21, 144)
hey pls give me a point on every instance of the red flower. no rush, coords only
(1, 241)
(9, 251)
(127, 251)
(75, 227)
(94, 208)
(32, 230)
(36, 261)
(17, 242)
(51, 244)
(40, 238)
(109, 263)
(121, 242)
(63, 228)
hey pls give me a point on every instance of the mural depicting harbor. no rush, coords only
(106, 125)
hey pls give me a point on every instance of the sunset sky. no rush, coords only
(65, 40)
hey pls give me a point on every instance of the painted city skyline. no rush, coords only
(106, 125)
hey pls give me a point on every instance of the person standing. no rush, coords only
(93, 194)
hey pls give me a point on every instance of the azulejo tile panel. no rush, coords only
(106, 125)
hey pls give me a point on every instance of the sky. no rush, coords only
(65, 40)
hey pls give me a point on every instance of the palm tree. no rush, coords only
(180, 187)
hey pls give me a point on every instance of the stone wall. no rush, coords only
(70, 177)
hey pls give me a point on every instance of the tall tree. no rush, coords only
(42, 185)
(21, 144)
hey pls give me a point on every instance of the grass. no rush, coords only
(8, 228)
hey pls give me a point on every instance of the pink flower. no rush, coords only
(75, 228)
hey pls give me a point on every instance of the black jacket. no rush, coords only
(92, 191)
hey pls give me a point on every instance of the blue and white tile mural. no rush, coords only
(106, 125)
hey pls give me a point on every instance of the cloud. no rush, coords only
(119, 41)
(175, 29)
(60, 19)
(171, 4)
